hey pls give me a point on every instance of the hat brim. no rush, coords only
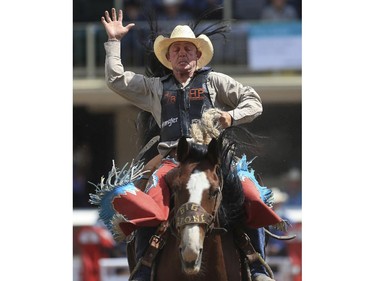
(202, 42)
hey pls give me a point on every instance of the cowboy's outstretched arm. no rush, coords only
(113, 26)
(139, 90)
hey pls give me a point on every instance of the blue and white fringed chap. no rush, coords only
(119, 182)
(243, 166)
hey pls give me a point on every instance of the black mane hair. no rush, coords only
(147, 128)
(240, 140)
(197, 152)
(153, 67)
(219, 27)
(233, 142)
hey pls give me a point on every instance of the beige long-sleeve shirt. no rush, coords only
(241, 102)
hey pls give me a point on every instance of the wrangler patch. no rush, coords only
(169, 122)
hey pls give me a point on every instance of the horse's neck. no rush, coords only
(231, 256)
(223, 253)
(213, 254)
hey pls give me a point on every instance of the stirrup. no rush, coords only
(243, 242)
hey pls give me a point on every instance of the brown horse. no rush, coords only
(206, 211)
(197, 251)
(197, 247)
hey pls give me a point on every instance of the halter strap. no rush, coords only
(192, 213)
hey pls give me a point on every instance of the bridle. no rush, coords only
(194, 214)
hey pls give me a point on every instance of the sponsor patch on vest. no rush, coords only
(169, 122)
(196, 94)
(169, 97)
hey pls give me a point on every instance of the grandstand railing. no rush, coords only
(89, 54)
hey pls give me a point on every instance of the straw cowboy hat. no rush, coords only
(184, 33)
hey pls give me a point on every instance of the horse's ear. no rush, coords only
(213, 151)
(182, 149)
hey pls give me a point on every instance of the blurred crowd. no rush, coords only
(184, 10)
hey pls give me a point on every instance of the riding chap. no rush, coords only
(176, 101)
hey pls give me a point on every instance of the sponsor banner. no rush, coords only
(275, 46)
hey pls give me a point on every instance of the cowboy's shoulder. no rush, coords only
(219, 77)
(137, 79)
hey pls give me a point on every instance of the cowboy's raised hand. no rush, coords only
(113, 26)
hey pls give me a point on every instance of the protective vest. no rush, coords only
(183, 106)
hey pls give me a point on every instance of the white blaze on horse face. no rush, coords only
(196, 185)
(190, 242)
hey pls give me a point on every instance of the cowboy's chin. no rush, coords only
(185, 65)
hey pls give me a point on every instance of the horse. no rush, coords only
(200, 240)
(206, 209)
(206, 251)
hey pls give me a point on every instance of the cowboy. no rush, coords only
(175, 101)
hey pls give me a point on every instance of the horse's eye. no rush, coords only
(213, 192)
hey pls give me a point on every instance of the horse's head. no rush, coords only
(196, 184)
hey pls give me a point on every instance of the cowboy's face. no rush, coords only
(183, 56)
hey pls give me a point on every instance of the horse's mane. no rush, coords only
(147, 128)
(197, 152)
(233, 142)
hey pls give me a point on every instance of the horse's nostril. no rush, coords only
(190, 264)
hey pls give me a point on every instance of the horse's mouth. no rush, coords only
(192, 267)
